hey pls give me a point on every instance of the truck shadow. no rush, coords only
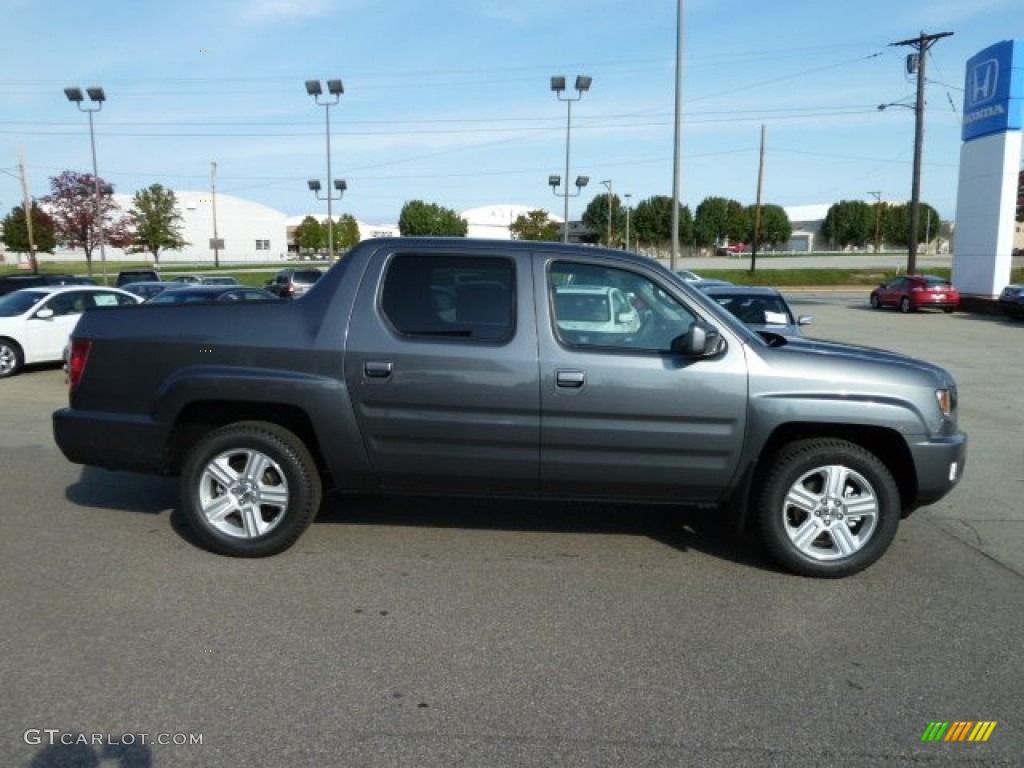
(682, 529)
(125, 491)
(84, 755)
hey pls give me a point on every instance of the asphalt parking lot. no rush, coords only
(403, 632)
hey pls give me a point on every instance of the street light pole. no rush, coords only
(558, 86)
(627, 196)
(608, 185)
(554, 181)
(336, 89)
(878, 217)
(341, 186)
(97, 96)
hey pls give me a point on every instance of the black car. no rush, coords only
(11, 283)
(760, 308)
(291, 283)
(200, 294)
(126, 276)
(1011, 300)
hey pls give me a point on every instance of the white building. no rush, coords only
(493, 221)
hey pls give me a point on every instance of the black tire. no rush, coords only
(948, 310)
(11, 358)
(876, 303)
(255, 462)
(822, 536)
(905, 305)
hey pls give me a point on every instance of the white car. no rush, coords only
(595, 309)
(35, 323)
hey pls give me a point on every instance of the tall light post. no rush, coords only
(627, 196)
(97, 97)
(558, 86)
(554, 181)
(340, 186)
(608, 185)
(335, 89)
(878, 218)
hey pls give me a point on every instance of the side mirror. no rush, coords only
(701, 340)
(44, 314)
(624, 317)
(805, 319)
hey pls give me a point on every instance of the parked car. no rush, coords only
(736, 249)
(203, 280)
(912, 292)
(760, 308)
(595, 309)
(147, 289)
(1011, 300)
(35, 323)
(700, 282)
(11, 283)
(197, 294)
(126, 276)
(292, 282)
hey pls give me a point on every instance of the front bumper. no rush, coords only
(940, 464)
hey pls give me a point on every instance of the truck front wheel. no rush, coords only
(249, 489)
(827, 508)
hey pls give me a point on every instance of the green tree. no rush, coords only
(346, 232)
(718, 219)
(596, 218)
(73, 205)
(849, 222)
(775, 227)
(651, 221)
(310, 236)
(157, 221)
(896, 224)
(14, 231)
(420, 218)
(535, 225)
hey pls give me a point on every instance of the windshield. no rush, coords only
(19, 302)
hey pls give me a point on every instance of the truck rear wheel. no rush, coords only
(249, 489)
(827, 508)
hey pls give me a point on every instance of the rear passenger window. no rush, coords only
(451, 297)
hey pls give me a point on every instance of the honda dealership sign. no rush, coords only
(994, 90)
(990, 160)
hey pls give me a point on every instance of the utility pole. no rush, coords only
(757, 208)
(27, 203)
(677, 141)
(878, 218)
(216, 241)
(922, 43)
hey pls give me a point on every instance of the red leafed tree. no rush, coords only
(72, 203)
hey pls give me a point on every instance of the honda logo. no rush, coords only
(982, 81)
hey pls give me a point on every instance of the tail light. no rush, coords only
(76, 361)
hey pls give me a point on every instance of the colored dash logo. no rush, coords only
(958, 730)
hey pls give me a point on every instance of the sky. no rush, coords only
(449, 101)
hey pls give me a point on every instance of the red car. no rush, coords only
(913, 292)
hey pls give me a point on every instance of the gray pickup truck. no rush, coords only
(525, 369)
